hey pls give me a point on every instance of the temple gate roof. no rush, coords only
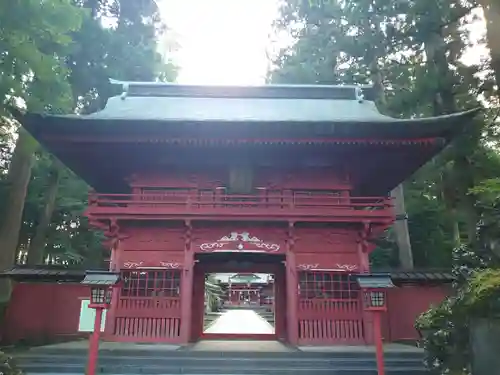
(150, 124)
(344, 111)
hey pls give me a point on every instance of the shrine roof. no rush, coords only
(56, 274)
(422, 276)
(151, 125)
(243, 278)
(418, 276)
(342, 111)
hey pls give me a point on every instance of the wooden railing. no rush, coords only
(147, 307)
(225, 204)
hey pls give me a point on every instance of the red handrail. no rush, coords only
(241, 201)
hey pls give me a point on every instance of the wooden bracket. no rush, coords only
(188, 236)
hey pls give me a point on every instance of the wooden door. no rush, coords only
(148, 307)
(329, 309)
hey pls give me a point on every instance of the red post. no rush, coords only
(292, 299)
(94, 342)
(379, 348)
(186, 296)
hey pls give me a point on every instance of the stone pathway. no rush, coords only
(240, 321)
(240, 346)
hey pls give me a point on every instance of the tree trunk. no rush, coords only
(405, 253)
(491, 10)
(401, 231)
(37, 246)
(18, 179)
(454, 189)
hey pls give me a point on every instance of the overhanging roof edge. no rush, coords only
(31, 117)
(172, 84)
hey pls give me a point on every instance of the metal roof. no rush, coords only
(43, 274)
(153, 121)
(268, 103)
(422, 276)
(374, 281)
(341, 111)
(101, 278)
(258, 278)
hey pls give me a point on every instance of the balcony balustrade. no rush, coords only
(224, 206)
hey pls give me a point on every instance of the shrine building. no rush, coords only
(247, 289)
(287, 180)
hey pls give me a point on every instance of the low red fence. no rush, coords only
(45, 312)
(405, 304)
(40, 313)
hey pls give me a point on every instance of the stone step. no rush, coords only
(218, 357)
(107, 360)
(151, 352)
(193, 369)
(124, 362)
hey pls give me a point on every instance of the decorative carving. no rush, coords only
(170, 265)
(338, 267)
(240, 242)
(130, 265)
(244, 237)
(347, 267)
(306, 267)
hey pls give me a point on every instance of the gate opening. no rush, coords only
(239, 303)
(239, 296)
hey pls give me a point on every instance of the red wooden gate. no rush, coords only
(329, 310)
(148, 307)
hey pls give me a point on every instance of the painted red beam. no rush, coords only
(377, 218)
(338, 216)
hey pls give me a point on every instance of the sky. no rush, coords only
(224, 42)
(220, 41)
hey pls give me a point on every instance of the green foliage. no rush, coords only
(35, 36)
(482, 293)
(7, 365)
(69, 238)
(412, 53)
(126, 49)
(446, 338)
(58, 56)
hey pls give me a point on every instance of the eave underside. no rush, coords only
(82, 126)
(377, 155)
(374, 169)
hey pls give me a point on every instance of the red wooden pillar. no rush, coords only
(278, 306)
(198, 303)
(365, 268)
(94, 343)
(292, 323)
(187, 290)
(114, 265)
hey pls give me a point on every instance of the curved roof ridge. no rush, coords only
(286, 85)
